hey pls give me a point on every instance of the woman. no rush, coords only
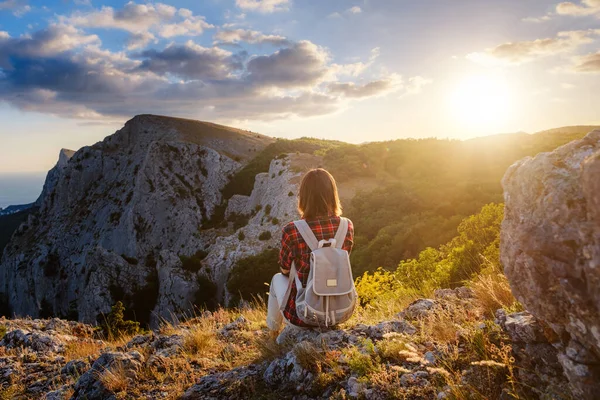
(319, 206)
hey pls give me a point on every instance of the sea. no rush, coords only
(20, 188)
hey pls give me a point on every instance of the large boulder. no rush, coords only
(550, 249)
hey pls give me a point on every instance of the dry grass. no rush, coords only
(199, 341)
(80, 349)
(309, 356)
(114, 378)
(493, 292)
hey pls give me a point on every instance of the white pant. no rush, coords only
(277, 290)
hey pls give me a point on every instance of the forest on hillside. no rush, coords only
(433, 219)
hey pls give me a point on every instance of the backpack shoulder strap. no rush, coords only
(340, 235)
(307, 234)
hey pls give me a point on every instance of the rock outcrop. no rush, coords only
(115, 219)
(550, 249)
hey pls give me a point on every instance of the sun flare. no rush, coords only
(481, 102)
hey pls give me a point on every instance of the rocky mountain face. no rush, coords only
(550, 249)
(117, 220)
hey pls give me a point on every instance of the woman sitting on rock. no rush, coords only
(314, 253)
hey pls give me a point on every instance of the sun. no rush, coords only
(481, 102)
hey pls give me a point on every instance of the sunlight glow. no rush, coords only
(481, 102)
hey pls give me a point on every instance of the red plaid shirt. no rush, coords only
(294, 249)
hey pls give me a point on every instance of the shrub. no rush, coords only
(266, 235)
(115, 217)
(241, 235)
(52, 265)
(206, 294)
(3, 330)
(114, 326)
(130, 260)
(275, 221)
(193, 263)
(290, 194)
(249, 275)
(268, 209)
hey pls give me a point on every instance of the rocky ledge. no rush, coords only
(431, 349)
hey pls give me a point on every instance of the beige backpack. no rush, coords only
(329, 297)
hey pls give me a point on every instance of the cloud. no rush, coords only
(302, 64)
(537, 20)
(142, 20)
(370, 89)
(354, 10)
(567, 86)
(233, 36)
(140, 40)
(586, 7)
(63, 71)
(515, 53)
(190, 61)
(18, 7)
(53, 40)
(588, 63)
(263, 6)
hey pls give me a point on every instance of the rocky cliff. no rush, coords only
(117, 220)
(550, 249)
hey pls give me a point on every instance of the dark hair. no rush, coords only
(318, 195)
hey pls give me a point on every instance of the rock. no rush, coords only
(430, 357)
(457, 293)
(75, 367)
(89, 385)
(378, 331)
(550, 241)
(417, 309)
(523, 327)
(357, 389)
(36, 341)
(239, 324)
(232, 384)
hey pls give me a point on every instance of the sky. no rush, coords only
(73, 71)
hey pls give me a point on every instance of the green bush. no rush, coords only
(241, 235)
(114, 326)
(268, 209)
(249, 275)
(243, 181)
(193, 263)
(266, 235)
(206, 295)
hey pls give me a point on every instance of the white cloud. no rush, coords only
(354, 10)
(537, 20)
(263, 6)
(228, 36)
(374, 88)
(567, 86)
(83, 2)
(515, 53)
(140, 40)
(584, 8)
(18, 7)
(588, 63)
(142, 20)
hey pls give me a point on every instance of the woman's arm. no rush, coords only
(285, 254)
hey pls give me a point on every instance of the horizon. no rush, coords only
(74, 72)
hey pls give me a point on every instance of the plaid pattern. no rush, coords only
(294, 249)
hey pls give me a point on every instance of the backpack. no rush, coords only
(329, 297)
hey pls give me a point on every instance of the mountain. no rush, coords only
(15, 209)
(165, 212)
(114, 219)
